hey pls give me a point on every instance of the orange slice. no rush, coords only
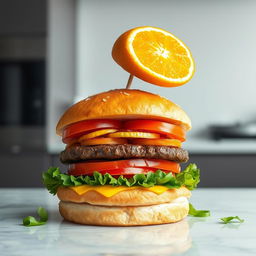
(96, 134)
(148, 135)
(155, 56)
(99, 141)
(157, 142)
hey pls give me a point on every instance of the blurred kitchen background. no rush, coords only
(55, 52)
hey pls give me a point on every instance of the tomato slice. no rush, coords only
(86, 168)
(170, 130)
(100, 141)
(77, 129)
(157, 142)
(126, 172)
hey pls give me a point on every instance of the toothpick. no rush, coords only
(129, 83)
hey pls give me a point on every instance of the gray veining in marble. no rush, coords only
(192, 236)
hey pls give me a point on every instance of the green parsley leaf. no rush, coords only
(198, 213)
(229, 219)
(31, 221)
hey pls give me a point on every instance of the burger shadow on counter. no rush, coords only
(165, 239)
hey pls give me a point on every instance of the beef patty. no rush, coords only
(79, 153)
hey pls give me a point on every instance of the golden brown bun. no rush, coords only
(124, 104)
(136, 197)
(125, 216)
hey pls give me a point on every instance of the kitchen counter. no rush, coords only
(192, 236)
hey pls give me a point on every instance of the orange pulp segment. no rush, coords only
(155, 56)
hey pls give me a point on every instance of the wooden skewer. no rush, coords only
(129, 82)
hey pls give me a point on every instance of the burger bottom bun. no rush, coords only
(135, 197)
(125, 216)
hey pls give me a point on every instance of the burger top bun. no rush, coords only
(124, 104)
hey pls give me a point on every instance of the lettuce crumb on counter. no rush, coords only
(231, 219)
(32, 221)
(198, 213)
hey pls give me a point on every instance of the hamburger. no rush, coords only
(123, 154)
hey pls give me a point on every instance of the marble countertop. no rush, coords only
(192, 236)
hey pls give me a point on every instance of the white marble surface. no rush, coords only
(192, 236)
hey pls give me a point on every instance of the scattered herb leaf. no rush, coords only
(230, 219)
(198, 213)
(31, 221)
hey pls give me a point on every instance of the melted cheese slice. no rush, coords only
(109, 190)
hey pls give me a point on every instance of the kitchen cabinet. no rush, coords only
(24, 169)
(23, 18)
(227, 170)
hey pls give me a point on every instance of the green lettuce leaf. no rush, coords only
(190, 177)
(32, 221)
(198, 213)
(231, 219)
